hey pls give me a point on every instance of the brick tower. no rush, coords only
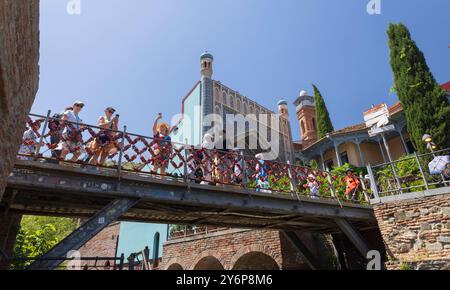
(306, 115)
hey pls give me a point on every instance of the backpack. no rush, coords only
(55, 121)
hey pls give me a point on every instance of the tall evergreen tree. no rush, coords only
(323, 121)
(424, 102)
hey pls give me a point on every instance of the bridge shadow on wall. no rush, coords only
(255, 261)
(208, 263)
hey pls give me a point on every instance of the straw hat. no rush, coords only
(161, 126)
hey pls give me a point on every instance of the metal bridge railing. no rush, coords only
(72, 263)
(177, 232)
(123, 151)
(416, 172)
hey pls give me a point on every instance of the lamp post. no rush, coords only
(430, 144)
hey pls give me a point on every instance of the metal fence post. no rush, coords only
(185, 166)
(421, 171)
(121, 261)
(364, 188)
(244, 171)
(333, 193)
(373, 184)
(119, 165)
(41, 139)
(291, 178)
(131, 259)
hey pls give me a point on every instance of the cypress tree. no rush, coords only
(323, 122)
(424, 102)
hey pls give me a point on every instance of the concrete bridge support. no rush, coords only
(9, 227)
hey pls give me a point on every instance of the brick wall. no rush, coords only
(104, 244)
(19, 75)
(416, 232)
(228, 249)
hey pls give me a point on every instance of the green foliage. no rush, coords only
(339, 184)
(424, 102)
(313, 164)
(282, 184)
(408, 172)
(323, 121)
(39, 234)
(178, 228)
(405, 266)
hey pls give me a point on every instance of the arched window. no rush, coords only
(217, 95)
(245, 109)
(231, 101)
(303, 127)
(313, 121)
(224, 97)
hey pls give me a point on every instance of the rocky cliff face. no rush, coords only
(19, 75)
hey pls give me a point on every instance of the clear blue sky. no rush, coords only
(142, 56)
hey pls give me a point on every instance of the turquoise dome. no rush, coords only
(206, 55)
(282, 102)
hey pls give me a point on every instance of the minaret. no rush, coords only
(283, 109)
(285, 131)
(306, 115)
(206, 71)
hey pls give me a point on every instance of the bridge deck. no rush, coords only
(49, 189)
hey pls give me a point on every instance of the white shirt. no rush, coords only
(72, 117)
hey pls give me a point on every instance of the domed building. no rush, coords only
(210, 99)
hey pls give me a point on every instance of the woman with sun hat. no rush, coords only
(162, 146)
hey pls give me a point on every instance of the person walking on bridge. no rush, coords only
(352, 184)
(104, 144)
(162, 146)
(313, 186)
(29, 141)
(72, 140)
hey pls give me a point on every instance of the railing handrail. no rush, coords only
(137, 154)
(423, 177)
(411, 156)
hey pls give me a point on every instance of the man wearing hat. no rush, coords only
(72, 141)
(29, 140)
(352, 184)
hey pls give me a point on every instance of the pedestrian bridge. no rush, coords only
(40, 188)
(50, 189)
(125, 187)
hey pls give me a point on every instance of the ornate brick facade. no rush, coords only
(104, 244)
(416, 232)
(238, 250)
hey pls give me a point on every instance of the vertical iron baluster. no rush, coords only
(421, 170)
(185, 166)
(373, 182)
(333, 193)
(119, 165)
(41, 139)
